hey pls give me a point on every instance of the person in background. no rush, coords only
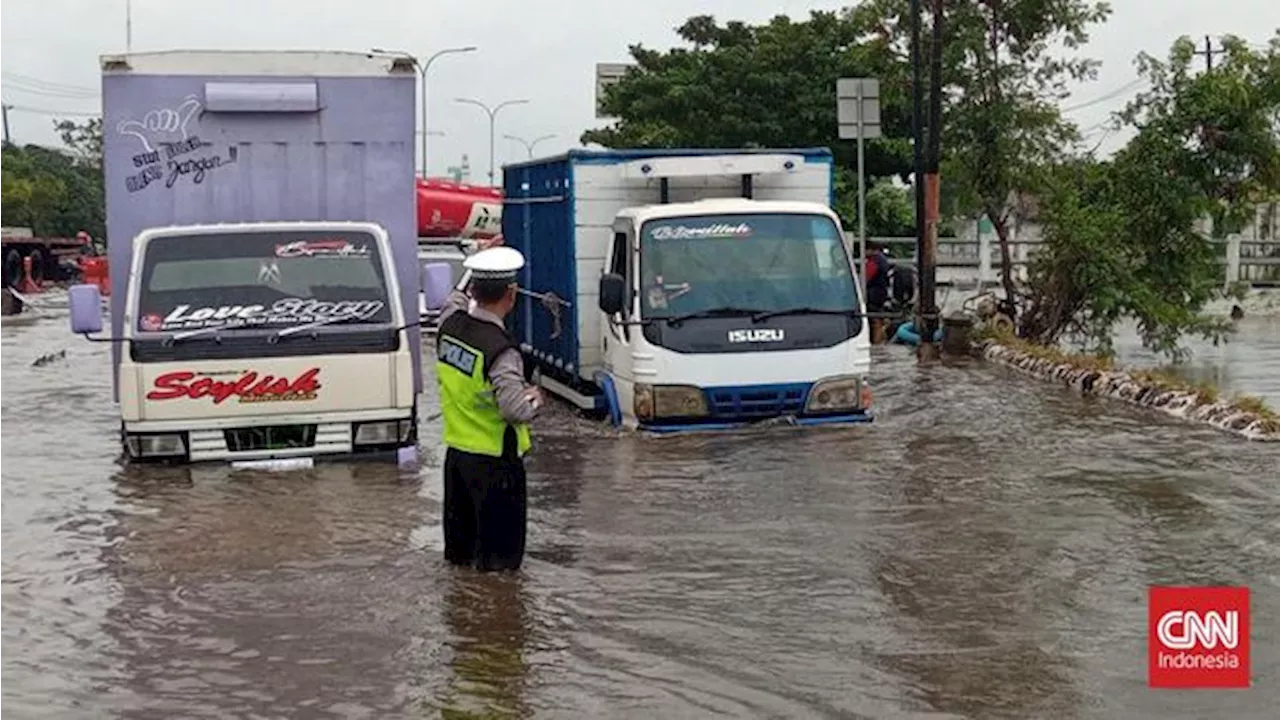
(878, 281)
(487, 407)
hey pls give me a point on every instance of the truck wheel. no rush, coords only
(12, 268)
(37, 266)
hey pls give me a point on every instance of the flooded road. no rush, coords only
(982, 551)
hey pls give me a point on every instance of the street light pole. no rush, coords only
(529, 145)
(493, 115)
(423, 66)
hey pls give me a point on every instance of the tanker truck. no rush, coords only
(706, 289)
(452, 216)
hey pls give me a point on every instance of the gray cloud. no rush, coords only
(541, 50)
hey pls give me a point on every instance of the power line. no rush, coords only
(1125, 89)
(46, 84)
(55, 113)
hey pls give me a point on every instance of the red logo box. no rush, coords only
(1198, 637)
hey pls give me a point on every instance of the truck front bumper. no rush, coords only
(367, 434)
(685, 426)
(676, 408)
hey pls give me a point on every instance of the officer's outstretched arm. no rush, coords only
(507, 376)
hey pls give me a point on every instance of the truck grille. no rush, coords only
(757, 401)
(270, 437)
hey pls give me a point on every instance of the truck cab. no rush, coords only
(722, 310)
(263, 340)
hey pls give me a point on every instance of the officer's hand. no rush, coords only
(535, 396)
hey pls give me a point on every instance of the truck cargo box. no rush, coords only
(559, 212)
(196, 137)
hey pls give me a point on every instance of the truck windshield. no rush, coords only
(748, 262)
(257, 280)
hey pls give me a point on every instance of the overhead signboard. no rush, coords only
(607, 74)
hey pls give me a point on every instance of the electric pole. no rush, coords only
(927, 147)
(5, 110)
(1208, 52)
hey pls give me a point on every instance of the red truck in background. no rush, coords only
(447, 209)
(52, 259)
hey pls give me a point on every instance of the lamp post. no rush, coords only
(423, 66)
(527, 144)
(493, 114)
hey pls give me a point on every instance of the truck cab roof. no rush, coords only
(722, 206)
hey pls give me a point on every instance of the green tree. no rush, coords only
(1121, 236)
(1002, 77)
(57, 192)
(771, 85)
(84, 140)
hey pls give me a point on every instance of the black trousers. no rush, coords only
(485, 510)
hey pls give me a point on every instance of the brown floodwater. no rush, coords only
(983, 550)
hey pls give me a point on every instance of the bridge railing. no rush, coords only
(969, 261)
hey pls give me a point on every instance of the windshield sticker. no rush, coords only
(289, 311)
(248, 386)
(151, 323)
(269, 272)
(684, 232)
(321, 248)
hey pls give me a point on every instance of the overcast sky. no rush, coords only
(536, 49)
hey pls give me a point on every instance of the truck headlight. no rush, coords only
(841, 393)
(669, 401)
(156, 445)
(382, 432)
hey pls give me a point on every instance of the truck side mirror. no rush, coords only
(86, 309)
(613, 293)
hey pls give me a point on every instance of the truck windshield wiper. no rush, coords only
(187, 335)
(713, 312)
(758, 317)
(310, 326)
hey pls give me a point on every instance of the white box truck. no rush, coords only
(709, 288)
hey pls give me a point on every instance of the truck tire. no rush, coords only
(38, 268)
(12, 268)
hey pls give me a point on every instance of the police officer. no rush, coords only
(487, 408)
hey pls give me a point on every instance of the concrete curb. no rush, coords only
(1119, 385)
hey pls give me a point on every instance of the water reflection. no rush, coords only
(489, 616)
(239, 585)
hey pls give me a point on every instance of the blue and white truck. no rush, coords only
(705, 288)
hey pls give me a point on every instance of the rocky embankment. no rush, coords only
(1245, 417)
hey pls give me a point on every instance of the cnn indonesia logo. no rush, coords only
(1198, 637)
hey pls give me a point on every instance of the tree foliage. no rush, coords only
(771, 85)
(1122, 237)
(57, 192)
(1003, 73)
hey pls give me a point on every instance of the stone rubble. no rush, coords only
(1119, 385)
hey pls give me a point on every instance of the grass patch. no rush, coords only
(1206, 393)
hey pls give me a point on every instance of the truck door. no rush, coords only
(616, 336)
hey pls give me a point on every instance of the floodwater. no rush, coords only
(982, 551)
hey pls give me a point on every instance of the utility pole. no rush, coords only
(918, 174)
(128, 25)
(1208, 52)
(5, 110)
(527, 144)
(928, 257)
(493, 115)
